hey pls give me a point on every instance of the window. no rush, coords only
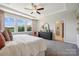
(20, 24)
(29, 25)
(9, 23)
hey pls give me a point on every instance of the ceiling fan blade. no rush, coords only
(27, 9)
(31, 12)
(38, 12)
(40, 9)
(33, 4)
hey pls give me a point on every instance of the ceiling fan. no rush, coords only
(35, 8)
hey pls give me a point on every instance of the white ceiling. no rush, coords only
(49, 8)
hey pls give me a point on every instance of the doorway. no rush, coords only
(59, 30)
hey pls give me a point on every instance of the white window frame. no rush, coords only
(15, 24)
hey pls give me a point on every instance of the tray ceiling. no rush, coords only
(49, 8)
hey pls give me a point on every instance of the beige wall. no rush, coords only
(1, 20)
(34, 25)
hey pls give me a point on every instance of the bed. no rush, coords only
(24, 45)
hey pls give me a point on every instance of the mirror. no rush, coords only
(46, 27)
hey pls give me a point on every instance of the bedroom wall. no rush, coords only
(69, 24)
(1, 20)
(34, 25)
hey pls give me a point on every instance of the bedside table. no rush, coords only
(34, 34)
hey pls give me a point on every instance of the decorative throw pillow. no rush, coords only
(6, 35)
(2, 41)
(10, 35)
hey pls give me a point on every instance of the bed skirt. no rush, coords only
(41, 53)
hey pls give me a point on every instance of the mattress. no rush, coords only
(24, 45)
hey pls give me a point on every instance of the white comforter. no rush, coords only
(23, 45)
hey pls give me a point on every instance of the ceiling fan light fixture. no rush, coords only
(35, 8)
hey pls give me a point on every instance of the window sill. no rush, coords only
(28, 32)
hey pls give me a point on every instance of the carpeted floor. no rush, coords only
(56, 48)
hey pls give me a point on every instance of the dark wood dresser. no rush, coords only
(45, 35)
